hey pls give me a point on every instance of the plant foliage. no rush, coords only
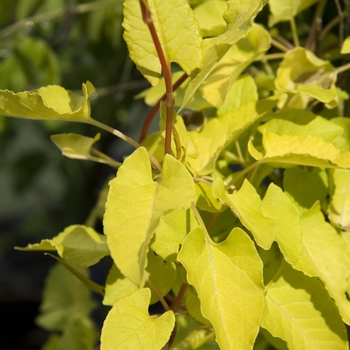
(237, 224)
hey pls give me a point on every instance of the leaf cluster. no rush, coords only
(234, 215)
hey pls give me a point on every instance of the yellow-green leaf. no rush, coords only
(238, 17)
(346, 46)
(299, 311)
(301, 72)
(278, 206)
(339, 205)
(129, 326)
(325, 256)
(48, 103)
(135, 205)
(285, 10)
(177, 30)
(117, 286)
(216, 86)
(306, 186)
(246, 204)
(78, 244)
(304, 150)
(218, 131)
(242, 92)
(171, 231)
(228, 279)
(80, 147)
(301, 122)
(209, 15)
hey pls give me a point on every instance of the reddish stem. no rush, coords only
(169, 101)
(155, 108)
(179, 297)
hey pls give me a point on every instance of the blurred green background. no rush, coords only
(65, 42)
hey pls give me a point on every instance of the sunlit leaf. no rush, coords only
(299, 311)
(81, 245)
(171, 231)
(78, 244)
(135, 205)
(238, 17)
(177, 30)
(218, 131)
(303, 150)
(246, 204)
(301, 72)
(216, 86)
(228, 280)
(129, 326)
(242, 92)
(117, 286)
(209, 15)
(339, 205)
(278, 207)
(285, 10)
(342, 142)
(300, 122)
(48, 103)
(325, 256)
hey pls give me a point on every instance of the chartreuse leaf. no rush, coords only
(343, 141)
(301, 72)
(171, 231)
(78, 244)
(305, 186)
(238, 17)
(161, 274)
(325, 256)
(135, 205)
(277, 206)
(287, 9)
(346, 46)
(246, 204)
(339, 205)
(242, 92)
(303, 150)
(80, 147)
(65, 299)
(177, 30)
(193, 306)
(215, 87)
(228, 279)
(48, 103)
(299, 310)
(206, 200)
(129, 326)
(300, 122)
(218, 131)
(210, 19)
(117, 286)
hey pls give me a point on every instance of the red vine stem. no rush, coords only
(169, 101)
(155, 108)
